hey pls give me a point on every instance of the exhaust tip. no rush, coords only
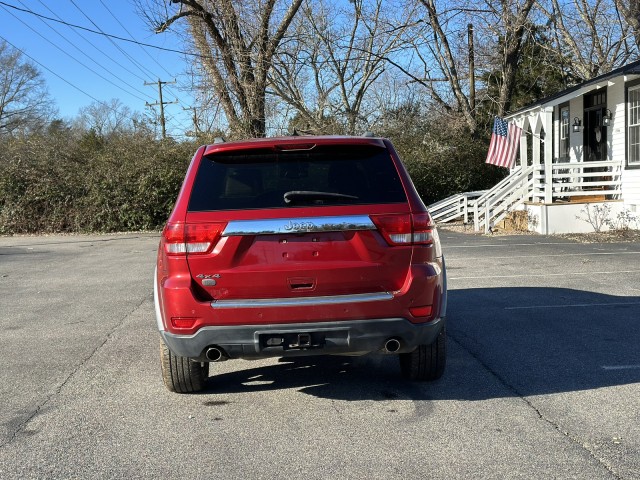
(215, 354)
(392, 345)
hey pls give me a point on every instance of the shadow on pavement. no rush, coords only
(502, 342)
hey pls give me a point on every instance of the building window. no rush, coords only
(633, 133)
(564, 134)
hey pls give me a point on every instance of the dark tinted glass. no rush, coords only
(323, 176)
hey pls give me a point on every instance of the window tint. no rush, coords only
(343, 175)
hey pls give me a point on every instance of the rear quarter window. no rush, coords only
(344, 175)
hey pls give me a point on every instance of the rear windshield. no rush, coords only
(344, 175)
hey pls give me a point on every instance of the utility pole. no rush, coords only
(161, 103)
(472, 73)
(196, 130)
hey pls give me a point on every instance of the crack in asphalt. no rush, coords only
(21, 427)
(503, 381)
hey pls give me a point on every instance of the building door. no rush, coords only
(595, 134)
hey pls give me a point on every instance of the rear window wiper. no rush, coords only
(307, 196)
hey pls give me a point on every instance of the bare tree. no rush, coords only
(513, 16)
(329, 68)
(25, 104)
(449, 65)
(236, 42)
(630, 11)
(108, 118)
(299, 78)
(445, 49)
(590, 34)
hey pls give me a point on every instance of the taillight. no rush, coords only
(191, 238)
(405, 229)
(423, 229)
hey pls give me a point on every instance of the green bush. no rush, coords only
(65, 181)
(84, 183)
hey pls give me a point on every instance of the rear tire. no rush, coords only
(426, 362)
(181, 374)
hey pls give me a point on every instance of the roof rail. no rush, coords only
(218, 140)
(368, 134)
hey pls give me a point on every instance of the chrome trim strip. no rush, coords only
(298, 225)
(302, 301)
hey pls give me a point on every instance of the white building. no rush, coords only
(578, 168)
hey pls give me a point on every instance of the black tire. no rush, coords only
(181, 374)
(426, 362)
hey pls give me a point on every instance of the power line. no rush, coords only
(104, 104)
(92, 44)
(99, 32)
(175, 121)
(131, 37)
(54, 73)
(181, 52)
(75, 59)
(70, 56)
(131, 59)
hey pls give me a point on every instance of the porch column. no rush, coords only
(535, 151)
(547, 123)
(524, 161)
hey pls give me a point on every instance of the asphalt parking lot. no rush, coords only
(543, 375)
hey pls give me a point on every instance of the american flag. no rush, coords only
(505, 140)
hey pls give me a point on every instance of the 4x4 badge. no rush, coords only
(208, 280)
(202, 275)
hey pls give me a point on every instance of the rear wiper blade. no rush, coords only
(315, 197)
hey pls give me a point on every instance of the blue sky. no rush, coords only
(81, 67)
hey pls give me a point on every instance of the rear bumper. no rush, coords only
(320, 338)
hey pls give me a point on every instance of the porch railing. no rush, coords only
(561, 182)
(455, 207)
(587, 180)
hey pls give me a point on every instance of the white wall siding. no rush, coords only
(630, 176)
(631, 189)
(559, 218)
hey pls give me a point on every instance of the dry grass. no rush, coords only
(627, 235)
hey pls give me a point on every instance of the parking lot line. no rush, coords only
(563, 274)
(574, 305)
(502, 245)
(586, 254)
(621, 367)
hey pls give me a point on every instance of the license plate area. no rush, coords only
(292, 340)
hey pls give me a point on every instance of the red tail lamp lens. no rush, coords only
(396, 229)
(422, 228)
(405, 229)
(196, 238)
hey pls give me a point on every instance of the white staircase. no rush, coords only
(487, 207)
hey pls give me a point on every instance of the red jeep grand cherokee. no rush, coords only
(294, 246)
